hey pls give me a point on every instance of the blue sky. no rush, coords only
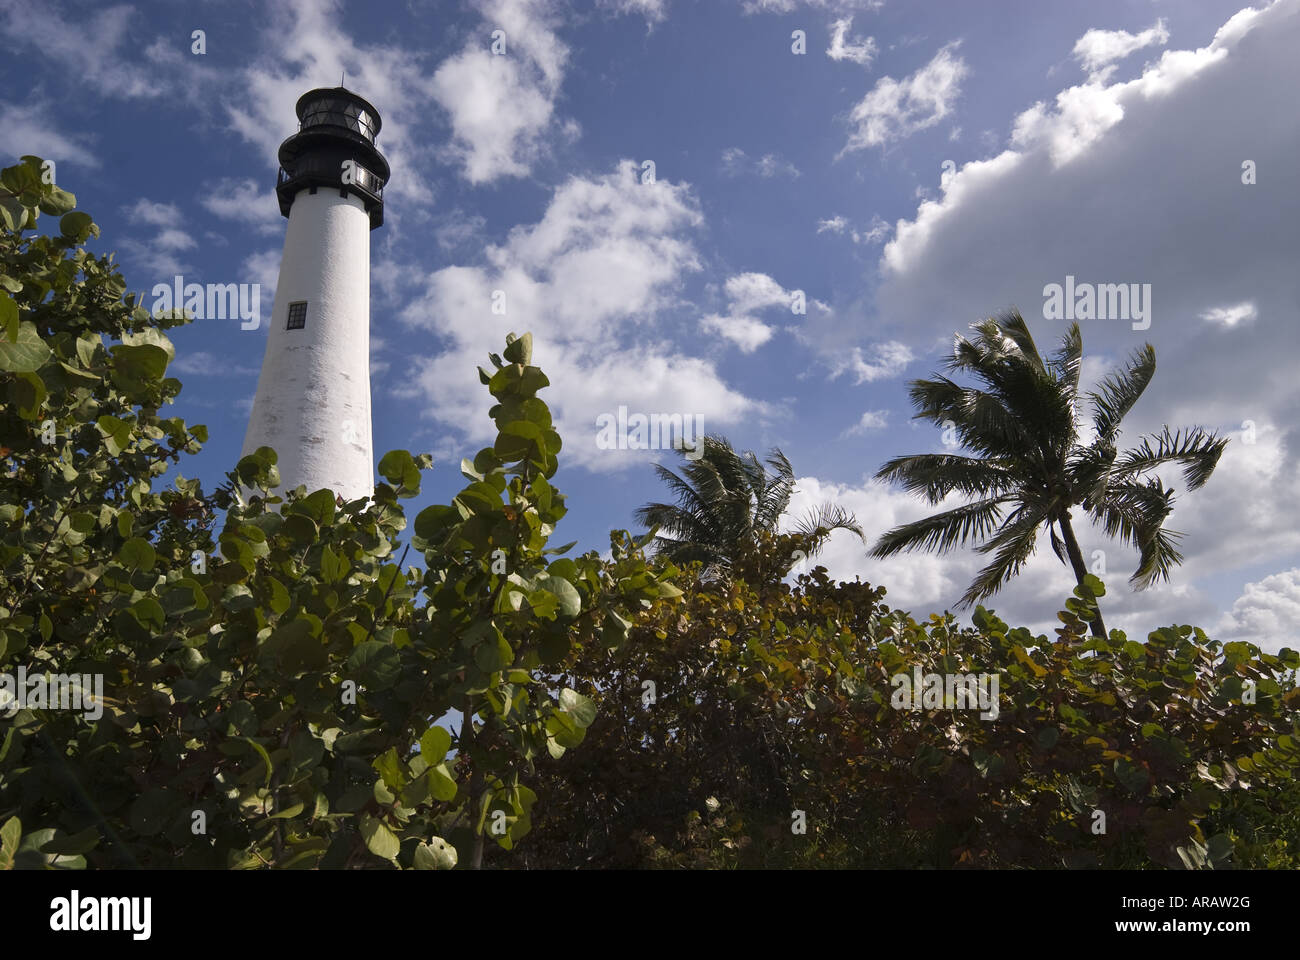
(920, 166)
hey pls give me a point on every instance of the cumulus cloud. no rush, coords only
(597, 282)
(1267, 613)
(736, 162)
(924, 582)
(1076, 194)
(303, 42)
(1097, 50)
(844, 47)
(501, 106)
(654, 11)
(870, 420)
(85, 44)
(28, 130)
(876, 231)
(749, 293)
(1232, 315)
(790, 6)
(887, 359)
(244, 201)
(159, 252)
(894, 109)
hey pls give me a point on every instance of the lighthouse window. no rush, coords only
(297, 315)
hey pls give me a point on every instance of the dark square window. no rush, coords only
(297, 315)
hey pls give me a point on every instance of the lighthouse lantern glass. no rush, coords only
(340, 113)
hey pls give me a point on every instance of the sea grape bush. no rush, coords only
(274, 686)
(1177, 751)
(282, 690)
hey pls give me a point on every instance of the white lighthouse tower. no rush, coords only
(313, 396)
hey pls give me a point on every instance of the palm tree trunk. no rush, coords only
(1076, 561)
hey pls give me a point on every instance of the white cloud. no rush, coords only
(736, 162)
(501, 106)
(888, 359)
(86, 44)
(159, 251)
(1267, 613)
(262, 268)
(152, 213)
(201, 363)
(1097, 50)
(844, 47)
(789, 6)
(747, 332)
(894, 110)
(876, 232)
(870, 420)
(245, 201)
(654, 11)
(1119, 183)
(1231, 316)
(28, 130)
(596, 281)
(749, 293)
(459, 228)
(303, 42)
(923, 582)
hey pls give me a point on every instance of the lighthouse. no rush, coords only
(313, 396)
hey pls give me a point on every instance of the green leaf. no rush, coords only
(519, 350)
(58, 202)
(116, 434)
(27, 393)
(391, 769)
(377, 665)
(137, 554)
(288, 813)
(266, 758)
(570, 601)
(24, 353)
(434, 745)
(77, 225)
(9, 317)
(10, 836)
(441, 783)
(398, 468)
(435, 854)
(380, 841)
(74, 844)
(581, 709)
(151, 337)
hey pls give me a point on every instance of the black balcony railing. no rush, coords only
(332, 172)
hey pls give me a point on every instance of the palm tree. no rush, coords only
(1032, 464)
(724, 499)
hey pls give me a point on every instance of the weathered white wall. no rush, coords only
(313, 396)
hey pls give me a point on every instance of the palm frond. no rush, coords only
(1120, 390)
(1011, 547)
(1196, 450)
(820, 522)
(1134, 513)
(936, 475)
(982, 421)
(943, 531)
(1067, 361)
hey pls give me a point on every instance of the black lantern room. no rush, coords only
(334, 126)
